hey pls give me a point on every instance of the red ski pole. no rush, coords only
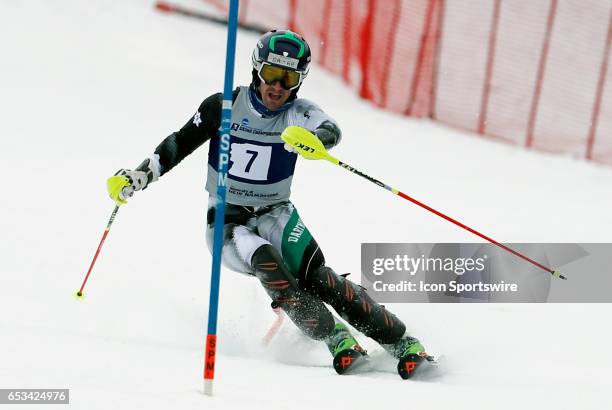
(280, 317)
(79, 293)
(310, 147)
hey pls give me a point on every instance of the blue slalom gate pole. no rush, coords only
(226, 118)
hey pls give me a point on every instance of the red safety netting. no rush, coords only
(531, 73)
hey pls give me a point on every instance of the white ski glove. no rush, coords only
(125, 182)
(138, 180)
(290, 148)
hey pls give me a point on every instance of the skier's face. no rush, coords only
(273, 95)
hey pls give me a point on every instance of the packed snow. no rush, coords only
(91, 87)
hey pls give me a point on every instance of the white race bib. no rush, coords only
(250, 161)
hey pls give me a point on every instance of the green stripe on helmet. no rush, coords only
(289, 36)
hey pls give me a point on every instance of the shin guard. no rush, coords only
(305, 310)
(353, 303)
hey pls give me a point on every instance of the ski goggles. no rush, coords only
(289, 79)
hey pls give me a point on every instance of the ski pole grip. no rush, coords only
(305, 143)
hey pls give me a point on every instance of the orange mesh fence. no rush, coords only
(527, 72)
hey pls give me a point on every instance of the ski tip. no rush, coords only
(78, 295)
(432, 360)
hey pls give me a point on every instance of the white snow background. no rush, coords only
(88, 87)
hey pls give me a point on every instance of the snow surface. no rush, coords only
(89, 87)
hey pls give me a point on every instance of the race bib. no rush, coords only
(250, 161)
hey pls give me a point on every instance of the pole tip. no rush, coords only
(559, 275)
(78, 295)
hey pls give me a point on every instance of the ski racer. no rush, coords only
(264, 235)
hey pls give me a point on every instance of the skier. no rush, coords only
(263, 233)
